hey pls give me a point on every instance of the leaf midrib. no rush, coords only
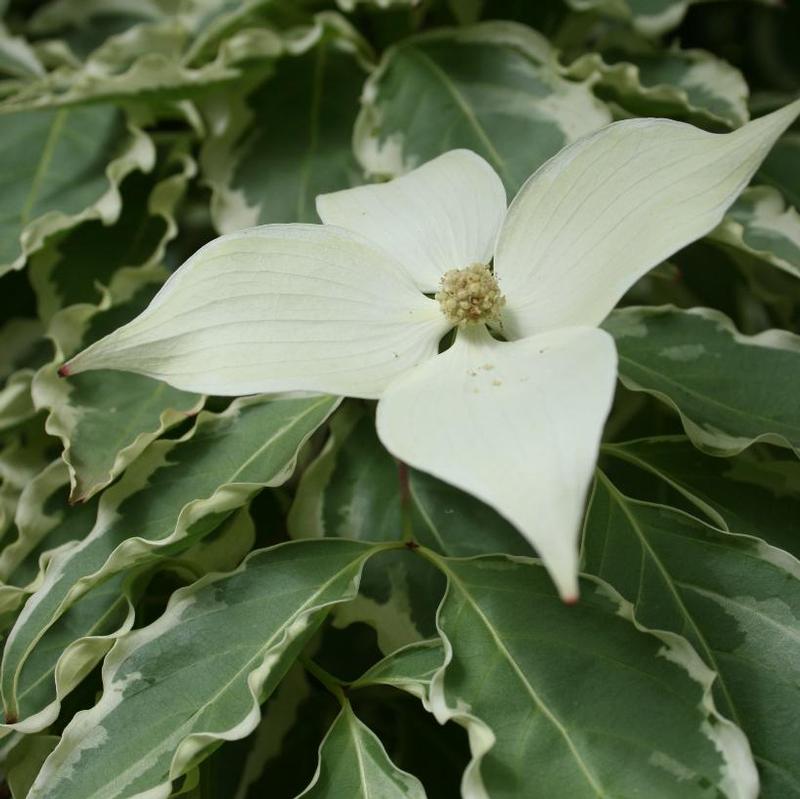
(463, 106)
(13, 703)
(538, 701)
(44, 162)
(619, 500)
(707, 399)
(246, 669)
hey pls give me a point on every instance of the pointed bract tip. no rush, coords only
(570, 599)
(64, 370)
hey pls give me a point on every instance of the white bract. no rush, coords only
(346, 308)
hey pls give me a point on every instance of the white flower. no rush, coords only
(346, 308)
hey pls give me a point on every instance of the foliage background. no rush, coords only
(132, 133)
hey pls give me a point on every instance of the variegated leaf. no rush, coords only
(353, 490)
(410, 668)
(652, 81)
(752, 493)
(650, 18)
(17, 57)
(351, 5)
(22, 351)
(104, 419)
(174, 494)
(553, 706)
(60, 168)
(93, 261)
(25, 451)
(781, 168)
(520, 113)
(730, 390)
(199, 672)
(75, 643)
(25, 761)
(353, 763)
(735, 598)
(262, 172)
(356, 489)
(44, 521)
(761, 225)
(147, 61)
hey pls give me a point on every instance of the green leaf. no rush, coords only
(20, 338)
(25, 452)
(735, 598)
(280, 756)
(410, 668)
(761, 225)
(44, 521)
(650, 17)
(350, 5)
(262, 172)
(781, 168)
(494, 88)
(353, 763)
(17, 57)
(730, 390)
(555, 698)
(104, 419)
(70, 648)
(117, 257)
(175, 493)
(61, 168)
(25, 761)
(353, 490)
(22, 350)
(149, 61)
(751, 493)
(199, 672)
(652, 81)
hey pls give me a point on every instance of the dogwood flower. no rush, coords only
(512, 412)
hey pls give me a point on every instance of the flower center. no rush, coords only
(470, 295)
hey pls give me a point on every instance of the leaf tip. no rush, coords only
(77, 496)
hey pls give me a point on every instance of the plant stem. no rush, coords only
(405, 503)
(334, 685)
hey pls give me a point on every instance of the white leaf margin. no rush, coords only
(418, 686)
(362, 736)
(139, 154)
(33, 526)
(770, 214)
(387, 158)
(67, 326)
(740, 777)
(625, 77)
(86, 723)
(135, 550)
(712, 441)
(227, 118)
